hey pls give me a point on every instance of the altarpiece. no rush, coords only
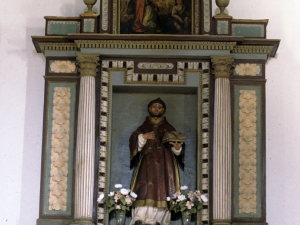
(100, 72)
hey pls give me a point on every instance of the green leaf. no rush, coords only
(193, 210)
(199, 207)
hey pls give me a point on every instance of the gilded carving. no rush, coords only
(182, 45)
(247, 69)
(58, 46)
(149, 65)
(222, 65)
(59, 148)
(62, 66)
(88, 64)
(247, 155)
(248, 49)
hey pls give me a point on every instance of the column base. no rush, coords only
(83, 221)
(250, 223)
(53, 221)
(221, 222)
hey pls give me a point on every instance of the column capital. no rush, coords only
(222, 65)
(88, 64)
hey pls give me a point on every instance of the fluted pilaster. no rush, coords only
(85, 146)
(222, 143)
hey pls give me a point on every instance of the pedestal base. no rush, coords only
(82, 221)
(248, 223)
(221, 222)
(53, 221)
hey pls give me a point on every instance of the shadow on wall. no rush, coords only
(32, 147)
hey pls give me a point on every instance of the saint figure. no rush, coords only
(155, 156)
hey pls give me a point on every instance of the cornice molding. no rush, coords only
(235, 45)
(164, 45)
(45, 46)
(250, 49)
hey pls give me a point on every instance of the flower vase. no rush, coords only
(120, 217)
(186, 218)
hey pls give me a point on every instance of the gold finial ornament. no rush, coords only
(90, 4)
(222, 4)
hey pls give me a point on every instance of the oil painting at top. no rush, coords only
(155, 16)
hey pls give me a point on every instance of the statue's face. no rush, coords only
(156, 110)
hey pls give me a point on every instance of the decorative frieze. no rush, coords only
(247, 152)
(247, 69)
(62, 66)
(57, 46)
(174, 45)
(59, 151)
(249, 49)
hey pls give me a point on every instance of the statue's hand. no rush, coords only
(176, 145)
(149, 135)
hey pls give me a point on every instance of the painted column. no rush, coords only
(85, 146)
(222, 140)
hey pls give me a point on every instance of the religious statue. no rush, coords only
(156, 151)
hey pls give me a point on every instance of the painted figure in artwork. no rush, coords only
(157, 150)
(180, 20)
(155, 17)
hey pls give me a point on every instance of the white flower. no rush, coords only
(181, 197)
(118, 185)
(100, 198)
(183, 187)
(204, 198)
(168, 199)
(124, 191)
(111, 194)
(134, 195)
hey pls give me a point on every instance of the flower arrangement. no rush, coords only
(187, 201)
(121, 199)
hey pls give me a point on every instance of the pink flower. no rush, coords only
(128, 200)
(191, 195)
(117, 196)
(189, 204)
(118, 207)
(176, 194)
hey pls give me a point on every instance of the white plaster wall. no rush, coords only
(21, 104)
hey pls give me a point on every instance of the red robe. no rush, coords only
(156, 175)
(139, 15)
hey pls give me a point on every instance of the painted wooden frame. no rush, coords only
(115, 19)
